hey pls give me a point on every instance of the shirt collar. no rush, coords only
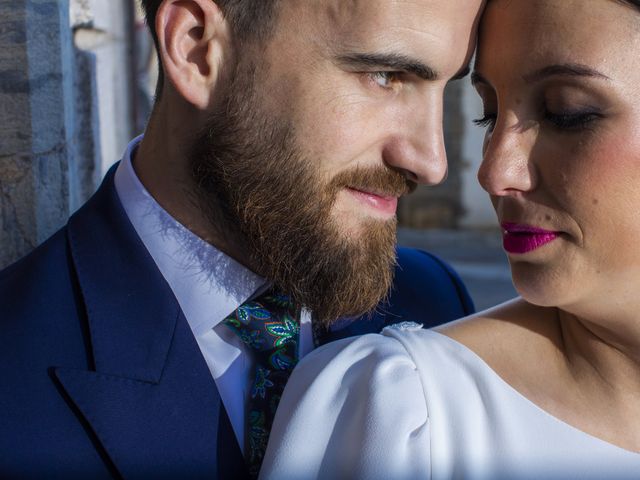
(208, 284)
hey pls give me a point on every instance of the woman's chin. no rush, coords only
(544, 290)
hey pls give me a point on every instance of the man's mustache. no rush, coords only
(380, 180)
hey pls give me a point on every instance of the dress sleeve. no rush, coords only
(352, 409)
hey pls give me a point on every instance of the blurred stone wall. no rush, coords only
(64, 110)
(104, 39)
(478, 211)
(37, 155)
(441, 206)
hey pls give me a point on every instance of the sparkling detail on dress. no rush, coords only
(411, 326)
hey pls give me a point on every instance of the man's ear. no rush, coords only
(194, 42)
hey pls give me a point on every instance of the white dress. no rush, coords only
(412, 403)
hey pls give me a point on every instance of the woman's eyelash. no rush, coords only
(571, 121)
(486, 121)
(565, 121)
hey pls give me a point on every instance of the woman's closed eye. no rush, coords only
(563, 121)
(571, 120)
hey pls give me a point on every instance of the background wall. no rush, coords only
(478, 212)
(69, 103)
(37, 154)
(458, 201)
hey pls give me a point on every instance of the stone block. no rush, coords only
(36, 123)
(18, 230)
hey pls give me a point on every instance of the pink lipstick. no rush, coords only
(517, 238)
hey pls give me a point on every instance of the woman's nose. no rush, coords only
(506, 167)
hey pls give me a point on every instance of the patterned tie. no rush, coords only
(270, 326)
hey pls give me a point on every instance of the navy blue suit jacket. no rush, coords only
(100, 374)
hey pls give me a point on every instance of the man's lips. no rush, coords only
(382, 202)
(520, 238)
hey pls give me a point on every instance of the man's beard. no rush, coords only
(259, 191)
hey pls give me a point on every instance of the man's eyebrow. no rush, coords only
(391, 61)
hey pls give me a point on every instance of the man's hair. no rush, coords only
(249, 19)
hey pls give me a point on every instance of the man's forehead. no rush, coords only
(362, 22)
(350, 15)
(435, 33)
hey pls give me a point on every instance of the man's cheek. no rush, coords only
(338, 128)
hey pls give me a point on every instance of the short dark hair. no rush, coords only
(249, 19)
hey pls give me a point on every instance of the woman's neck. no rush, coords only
(602, 352)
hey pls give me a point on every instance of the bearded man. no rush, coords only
(152, 336)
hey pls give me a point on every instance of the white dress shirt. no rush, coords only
(208, 285)
(412, 403)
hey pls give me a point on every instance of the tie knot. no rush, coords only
(269, 325)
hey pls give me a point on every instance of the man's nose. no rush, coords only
(418, 149)
(506, 167)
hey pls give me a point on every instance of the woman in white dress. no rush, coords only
(545, 386)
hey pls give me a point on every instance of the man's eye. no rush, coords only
(384, 79)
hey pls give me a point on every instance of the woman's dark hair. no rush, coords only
(635, 3)
(249, 19)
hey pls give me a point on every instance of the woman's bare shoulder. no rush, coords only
(511, 338)
(514, 317)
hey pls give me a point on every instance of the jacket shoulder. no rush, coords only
(34, 275)
(428, 289)
(40, 305)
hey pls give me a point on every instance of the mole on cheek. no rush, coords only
(595, 201)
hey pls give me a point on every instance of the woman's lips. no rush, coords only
(387, 204)
(518, 238)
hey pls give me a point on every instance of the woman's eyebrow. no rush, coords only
(561, 69)
(564, 70)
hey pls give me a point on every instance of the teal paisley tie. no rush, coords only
(270, 326)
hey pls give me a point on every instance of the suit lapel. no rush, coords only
(148, 397)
